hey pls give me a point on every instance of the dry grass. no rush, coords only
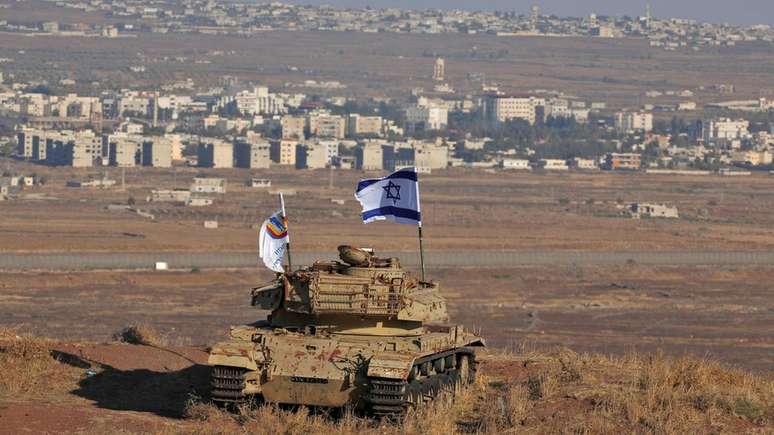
(529, 392)
(138, 334)
(558, 392)
(29, 367)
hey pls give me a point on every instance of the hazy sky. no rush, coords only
(716, 11)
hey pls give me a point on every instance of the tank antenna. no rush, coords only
(287, 239)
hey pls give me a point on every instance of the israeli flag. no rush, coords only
(394, 197)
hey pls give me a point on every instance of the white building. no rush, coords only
(370, 157)
(427, 118)
(520, 164)
(725, 129)
(323, 124)
(553, 165)
(630, 122)
(365, 125)
(259, 101)
(499, 108)
(429, 156)
(216, 153)
(208, 185)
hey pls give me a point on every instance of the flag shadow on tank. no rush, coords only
(164, 393)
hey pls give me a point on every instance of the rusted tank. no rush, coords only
(361, 332)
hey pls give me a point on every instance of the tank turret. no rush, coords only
(360, 331)
(363, 290)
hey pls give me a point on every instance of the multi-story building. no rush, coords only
(421, 118)
(125, 150)
(364, 125)
(502, 108)
(259, 102)
(252, 153)
(215, 153)
(369, 157)
(286, 154)
(326, 125)
(293, 127)
(623, 161)
(630, 122)
(157, 152)
(429, 156)
(725, 129)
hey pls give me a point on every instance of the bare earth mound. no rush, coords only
(50, 386)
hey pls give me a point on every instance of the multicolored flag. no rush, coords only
(273, 241)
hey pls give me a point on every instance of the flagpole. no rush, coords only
(419, 229)
(285, 221)
(421, 251)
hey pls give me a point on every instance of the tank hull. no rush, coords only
(335, 370)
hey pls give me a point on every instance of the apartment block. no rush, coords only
(215, 153)
(501, 108)
(630, 122)
(293, 127)
(369, 157)
(364, 125)
(623, 161)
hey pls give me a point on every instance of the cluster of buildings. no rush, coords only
(244, 17)
(85, 148)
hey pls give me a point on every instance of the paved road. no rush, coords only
(446, 259)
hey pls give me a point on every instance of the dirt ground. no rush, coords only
(722, 312)
(462, 209)
(616, 71)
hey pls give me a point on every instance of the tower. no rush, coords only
(439, 69)
(534, 16)
(593, 22)
(647, 16)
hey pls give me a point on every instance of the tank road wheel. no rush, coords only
(227, 385)
(388, 397)
(417, 399)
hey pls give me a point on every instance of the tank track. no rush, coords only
(227, 384)
(393, 398)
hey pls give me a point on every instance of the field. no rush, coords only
(119, 388)
(616, 71)
(462, 210)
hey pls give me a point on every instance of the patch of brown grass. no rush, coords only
(29, 368)
(139, 334)
(555, 392)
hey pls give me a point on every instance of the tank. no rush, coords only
(361, 333)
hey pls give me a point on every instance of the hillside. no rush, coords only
(52, 386)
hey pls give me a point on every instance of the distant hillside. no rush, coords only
(93, 388)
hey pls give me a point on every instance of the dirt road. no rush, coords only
(445, 259)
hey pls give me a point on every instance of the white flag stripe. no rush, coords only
(394, 197)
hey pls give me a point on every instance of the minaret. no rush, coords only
(439, 70)
(647, 16)
(534, 16)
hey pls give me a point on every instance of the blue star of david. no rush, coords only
(395, 197)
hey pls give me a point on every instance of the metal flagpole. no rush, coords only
(419, 230)
(421, 251)
(285, 221)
